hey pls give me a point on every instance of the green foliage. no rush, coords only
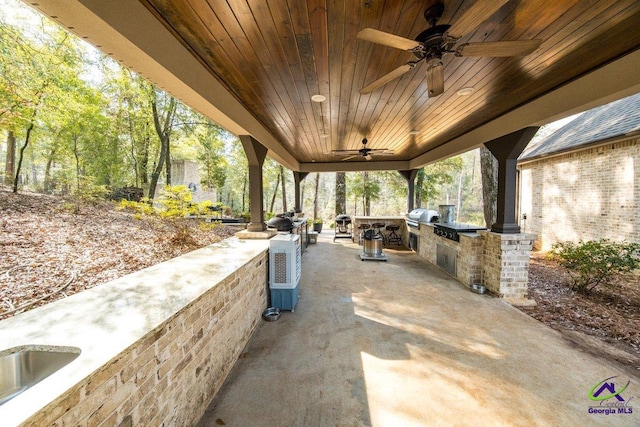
(596, 262)
(89, 191)
(174, 208)
(431, 178)
(318, 221)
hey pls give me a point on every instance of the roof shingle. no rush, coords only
(615, 119)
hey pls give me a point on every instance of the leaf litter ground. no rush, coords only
(47, 242)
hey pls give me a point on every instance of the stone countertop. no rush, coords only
(104, 321)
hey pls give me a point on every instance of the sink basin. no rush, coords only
(24, 366)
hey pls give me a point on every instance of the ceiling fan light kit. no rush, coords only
(365, 152)
(439, 40)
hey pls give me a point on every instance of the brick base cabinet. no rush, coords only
(505, 268)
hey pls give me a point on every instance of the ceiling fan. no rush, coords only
(439, 40)
(365, 152)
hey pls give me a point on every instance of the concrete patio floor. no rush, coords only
(400, 343)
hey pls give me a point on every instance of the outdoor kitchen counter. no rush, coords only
(106, 320)
(468, 252)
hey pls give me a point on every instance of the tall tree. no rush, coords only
(284, 189)
(163, 107)
(341, 193)
(275, 192)
(30, 70)
(10, 162)
(430, 179)
(315, 196)
(489, 172)
(132, 118)
(211, 157)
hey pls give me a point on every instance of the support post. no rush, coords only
(506, 150)
(410, 176)
(256, 154)
(297, 179)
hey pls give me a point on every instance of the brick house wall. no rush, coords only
(585, 194)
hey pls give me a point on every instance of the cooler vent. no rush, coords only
(281, 270)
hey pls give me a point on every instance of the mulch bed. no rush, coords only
(605, 322)
(48, 243)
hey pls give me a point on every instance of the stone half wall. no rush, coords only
(584, 195)
(170, 375)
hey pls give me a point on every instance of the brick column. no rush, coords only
(505, 270)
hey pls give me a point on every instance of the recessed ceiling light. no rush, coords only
(324, 135)
(318, 98)
(466, 91)
(414, 132)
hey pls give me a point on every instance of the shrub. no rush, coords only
(174, 206)
(596, 262)
(88, 191)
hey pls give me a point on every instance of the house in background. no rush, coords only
(582, 182)
(187, 173)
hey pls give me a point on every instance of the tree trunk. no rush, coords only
(10, 164)
(164, 133)
(459, 203)
(341, 193)
(366, 196)
(489, 172)
(144, 161)
(275, 192)
(47, 171)
(24, 147)
(284, 190)
(244, 191)
(315, 196)
(167, 160)
(76, 155)
(418, 188)
(156, 174)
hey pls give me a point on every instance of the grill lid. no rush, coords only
(423, 215)
(280, 223)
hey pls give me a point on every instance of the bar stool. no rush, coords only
(393, 237)
(362, 228)
(377, 231)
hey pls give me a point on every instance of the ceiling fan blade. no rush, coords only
(344, 152)
(479, 12)
(387, 39)
(435, 80)
(503, 48)
(387, 78)
(350, 157)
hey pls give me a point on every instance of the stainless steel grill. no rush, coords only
(451, 230)
(416, 216)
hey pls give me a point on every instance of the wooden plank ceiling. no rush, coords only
(275, 55)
